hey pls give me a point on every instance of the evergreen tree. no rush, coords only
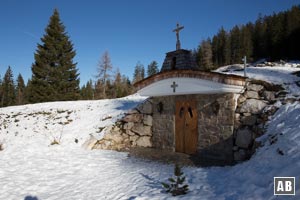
(128, 89)
(8, 87)
(176, 186)
(87, 91)
(103, 71)
(118, 87)
(20, 90)
(54, 74)
(139, 72)
(152, 68)
(259, 39)
(27, 92)
(246, 43)
(1, 91)
(235, 43)
(205, 55)
(221, 48)
(292, 33)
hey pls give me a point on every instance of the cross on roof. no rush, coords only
(177, 29)
(174, 86)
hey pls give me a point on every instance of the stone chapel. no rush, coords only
(193, 111)
(207, 115)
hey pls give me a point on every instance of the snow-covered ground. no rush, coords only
(31, 168)
(278, 74)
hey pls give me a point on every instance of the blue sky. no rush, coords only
(131, 30)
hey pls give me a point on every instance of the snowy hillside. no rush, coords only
(31, 167)
(277, 74)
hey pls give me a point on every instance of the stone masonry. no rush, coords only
(228, 124)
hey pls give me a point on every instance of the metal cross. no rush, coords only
(174, 86)
(177, 29)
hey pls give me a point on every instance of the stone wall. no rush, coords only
(228, 124)
(255, 105)
(215, 123)
(133, 130)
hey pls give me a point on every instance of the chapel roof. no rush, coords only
(210, 76)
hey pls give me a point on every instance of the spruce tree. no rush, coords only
(139, 72)
(54, 74)
(87, 91)
(205, 55)
(152, 68)
(1, 91)
(20, 90)
(8, 87)
(177, 185)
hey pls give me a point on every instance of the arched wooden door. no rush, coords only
(186, 127)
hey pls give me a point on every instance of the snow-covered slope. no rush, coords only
(277, 74)
(31, 167)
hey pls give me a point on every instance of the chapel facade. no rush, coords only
(193, 111)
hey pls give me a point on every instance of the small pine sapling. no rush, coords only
(176, 186)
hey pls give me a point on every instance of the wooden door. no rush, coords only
(186, 127)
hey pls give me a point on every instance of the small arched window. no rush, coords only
(173, 63)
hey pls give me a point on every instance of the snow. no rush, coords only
(31, 167)
(278, 74)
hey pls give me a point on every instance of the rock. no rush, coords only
(243, 138)
(241, 99)
(103, 144)
(252, 95)
(129, 132)
(247, 114)
(116, 128)
(125, 136)
(115, 136)
(255, 87)
(240, 155)
(133, 118)
(269, 96)
(248, 120)
(132, 111)
(128, 125)
(142, 129)
(148, 120)
(237, 116)
(144, 142)
(235, 148)
(133, 138)
(253, 106)
(90, 143)
(145, 107)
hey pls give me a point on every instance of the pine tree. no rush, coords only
(8, 87)
(118, 87)
(292, 32)
(152, 68)
(20, 90)
(221, 48)
(176, 186)
(54, 74)
(259, 39)
(205, 55)
(103, 71)
(128, 89)
(1, 91)
(246, 41)
(89, 90)
(235, 43)
(139, 72)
